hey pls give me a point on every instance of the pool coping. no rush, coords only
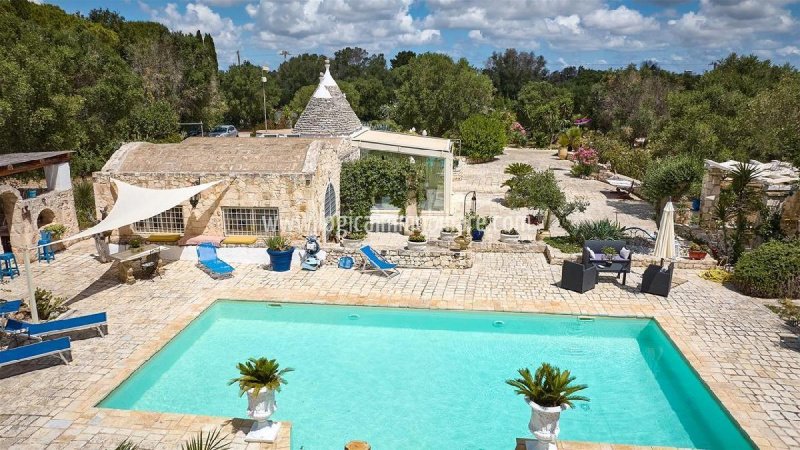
(87, 409)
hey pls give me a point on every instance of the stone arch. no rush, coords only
(46, 217)
(8, 200)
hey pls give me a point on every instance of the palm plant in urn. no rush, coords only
(548, 392)
(260, 378)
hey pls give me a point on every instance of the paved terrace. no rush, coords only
(729, 338)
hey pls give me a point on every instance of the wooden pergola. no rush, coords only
(12, 163)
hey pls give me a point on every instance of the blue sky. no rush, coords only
(679, 34)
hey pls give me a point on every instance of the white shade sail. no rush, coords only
(665, 241)
(136, 203)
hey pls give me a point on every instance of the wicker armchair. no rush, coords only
(657, 280)
(578, 277)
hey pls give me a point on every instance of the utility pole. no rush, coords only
(238, 60)
(284, 53)
(265, 71)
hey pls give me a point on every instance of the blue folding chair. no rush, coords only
(45, 251)
(208, 260)
(378, 263)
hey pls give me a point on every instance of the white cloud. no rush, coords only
(621, 21)
(376, 25)
(227, 36)
(222, 3)
(476, 35)
(789, 50)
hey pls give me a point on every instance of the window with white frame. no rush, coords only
(330, 202)
(170, 221)
(250, 221)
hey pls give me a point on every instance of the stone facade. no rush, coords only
(23, 216)
(298, 195)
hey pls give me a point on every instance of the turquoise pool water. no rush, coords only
(420, 379)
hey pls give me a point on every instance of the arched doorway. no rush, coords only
(46, 217)
(7, 203)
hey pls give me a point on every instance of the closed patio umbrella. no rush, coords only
(665, 241)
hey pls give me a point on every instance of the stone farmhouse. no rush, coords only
(287, 184)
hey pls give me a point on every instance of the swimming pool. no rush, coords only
(422, 379)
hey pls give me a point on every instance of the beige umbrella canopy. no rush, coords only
(665, 241)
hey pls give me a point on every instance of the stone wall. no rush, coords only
(22, 215)
(556, 257)
(299, 197)
(431, 258)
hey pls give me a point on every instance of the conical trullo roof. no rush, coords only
(327, 113)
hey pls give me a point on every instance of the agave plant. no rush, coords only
(518, 169)
(602, 229)
(260, 373)
(548, 387)
(211, 441)
(126, 445)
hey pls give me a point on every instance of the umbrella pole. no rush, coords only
(31, 292)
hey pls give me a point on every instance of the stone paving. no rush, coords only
(730, 339)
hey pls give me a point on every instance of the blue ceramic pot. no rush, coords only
(695, 204)
(477, 235)
(281, 260)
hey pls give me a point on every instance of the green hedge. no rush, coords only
(772, 270)
(482, 137)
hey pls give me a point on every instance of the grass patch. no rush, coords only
(563, 243)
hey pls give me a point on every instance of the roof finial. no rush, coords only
(327, 64)
(321, 76)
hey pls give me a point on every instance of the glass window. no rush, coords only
(170, 221)
(251, 221)
(433, 172)
(330, 202)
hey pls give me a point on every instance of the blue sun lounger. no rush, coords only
(10, 306)
(377, 262)
(58, 326)
(36, 350)
(207, 257)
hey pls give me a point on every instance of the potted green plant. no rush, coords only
(353, 239)
(417, 240)
(509, 236)
(697, 251)
(448, 234)
(260, 378)
(477, 225)
(135, 244)
(461, 242)
(548, 392)
(568, 141)
(609, 253)
(280, 253)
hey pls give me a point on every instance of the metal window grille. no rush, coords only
(251, 221)
(330, 202)
(170, 221)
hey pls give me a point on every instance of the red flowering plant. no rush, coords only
(518, 135)
(585, 160)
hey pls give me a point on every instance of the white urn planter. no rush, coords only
(448, 236)
(544, 426)
(260, 408)
(417, 245)
(509, 238)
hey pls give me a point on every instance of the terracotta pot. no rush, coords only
(697, 254)
(562, 153)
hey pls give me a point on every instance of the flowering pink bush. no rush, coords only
(585, 160)
(518, 134)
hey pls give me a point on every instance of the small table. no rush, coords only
(616, 264)
(128, 257)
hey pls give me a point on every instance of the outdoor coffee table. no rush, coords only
(126, 259)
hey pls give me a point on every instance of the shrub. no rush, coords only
(788, 311)
(670, 177)
(585, 162)
(623, 159)
(603, 229)
(56, 230)
(772, 270)
(563, 243)
(540, 190)
(517, 135)
(48, 306)
(482, 137)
